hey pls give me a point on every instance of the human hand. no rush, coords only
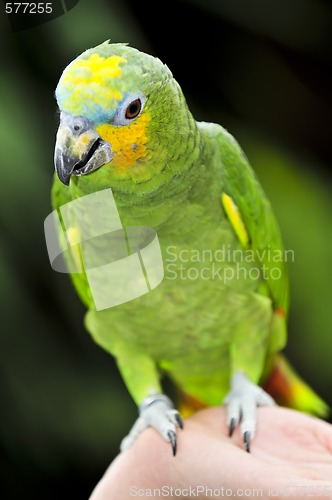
(291, 456)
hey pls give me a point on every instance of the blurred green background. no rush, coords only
(261, 68)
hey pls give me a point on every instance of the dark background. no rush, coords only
(261, 68)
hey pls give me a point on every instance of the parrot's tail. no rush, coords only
(288, 389)
(283, 384)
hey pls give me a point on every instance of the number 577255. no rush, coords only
(28, 8)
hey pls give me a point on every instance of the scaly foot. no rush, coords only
(156, 411)
(242, 401)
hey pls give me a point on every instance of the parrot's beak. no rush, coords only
(79, 150)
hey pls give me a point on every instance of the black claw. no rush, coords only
(231, 427)
(246, 440)
(179, 420)
(172, 437)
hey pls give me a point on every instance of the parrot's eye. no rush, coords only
(133, 109)
(128, 110)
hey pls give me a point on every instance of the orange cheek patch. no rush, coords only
(128, 142)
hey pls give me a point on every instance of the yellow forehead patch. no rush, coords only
(128, 142)
(96, 71)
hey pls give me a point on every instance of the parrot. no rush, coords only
(216, 324)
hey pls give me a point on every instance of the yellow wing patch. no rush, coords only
(73, 238)
(128, 141)
(235, 219)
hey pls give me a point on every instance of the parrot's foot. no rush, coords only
(156, 411)
(242, 402)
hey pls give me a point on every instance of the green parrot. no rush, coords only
(217, 321)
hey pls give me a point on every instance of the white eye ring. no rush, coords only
(129, 110)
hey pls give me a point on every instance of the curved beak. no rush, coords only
(79, 150)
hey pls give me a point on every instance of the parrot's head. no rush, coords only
(123, 119)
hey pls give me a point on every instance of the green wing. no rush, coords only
(60, 196)
(252, 213)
